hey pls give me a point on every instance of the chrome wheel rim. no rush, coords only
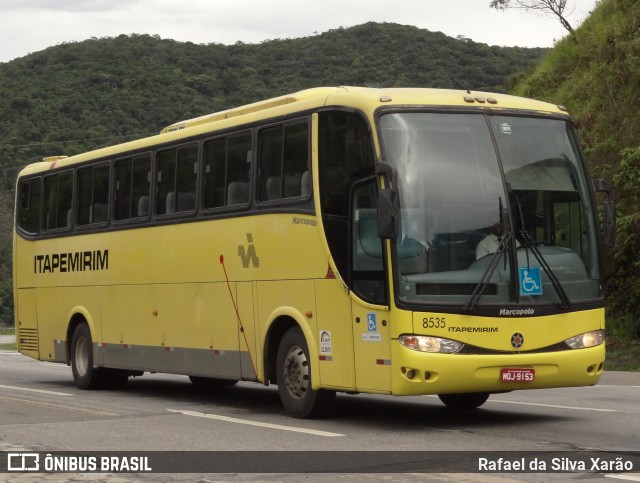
(82, 356)
(296, 372)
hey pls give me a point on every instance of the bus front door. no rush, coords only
(372, 348)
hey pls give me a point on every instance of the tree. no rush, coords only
(553, 7)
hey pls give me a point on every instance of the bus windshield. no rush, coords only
(469, 183)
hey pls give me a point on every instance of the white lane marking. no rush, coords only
(556, 406)
(255, 423)
(624, 477)
(59, 407)
(41, 391)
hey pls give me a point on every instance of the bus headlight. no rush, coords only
(424, 343)
(588, 339)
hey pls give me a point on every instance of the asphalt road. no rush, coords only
(42, 411)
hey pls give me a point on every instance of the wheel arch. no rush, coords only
(281, 321)
(77, 316)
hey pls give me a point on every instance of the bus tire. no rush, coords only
(293, 375)
(465, 401)
(85, 375)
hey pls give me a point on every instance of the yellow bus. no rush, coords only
(400, 241)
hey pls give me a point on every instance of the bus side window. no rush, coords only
(227, 171)
(58, 195)
(284, 160)
(29, 208)
(132, 187)
(186, 179)
(177, 174)
(92, 194)
(345, 152)
(215, 171)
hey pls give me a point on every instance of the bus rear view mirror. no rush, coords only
(388, 213)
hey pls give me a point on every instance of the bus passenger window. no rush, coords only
(284, 160)
(93, 194)
(29, 207)
(215, 169)
(177, 174)
(227, 167)
(58, 194)
(132, 187)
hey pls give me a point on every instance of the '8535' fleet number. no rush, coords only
(434, 323)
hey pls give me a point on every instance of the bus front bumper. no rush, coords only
(417, 373)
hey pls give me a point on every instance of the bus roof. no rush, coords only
(364, 98)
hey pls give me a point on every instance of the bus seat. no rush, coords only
(368, 235)
(412, 256)
(305, 184)
(237, 193)
(143, 206)
(186, 201)
(367, 244)
(272, 187)
(170, 202)
(100, 212)
(69, 218)
(292, 186)
(451, 251)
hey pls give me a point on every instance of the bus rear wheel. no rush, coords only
(85, 375)
(293, 375)
(470, 400)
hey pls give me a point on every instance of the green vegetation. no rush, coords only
(78, 96)
(12, 345)
(595, 72)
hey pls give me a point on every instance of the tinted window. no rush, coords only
(29, 205)
(284, 162)
(132, 187)
(93, 194)
(58, 194)
(345, 155)
(227, 168)
(177, 174)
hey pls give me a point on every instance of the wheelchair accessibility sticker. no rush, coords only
(530, 281)
(372, 334)
(372, 324)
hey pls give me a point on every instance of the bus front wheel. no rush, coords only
(470, 400)
(293, 375)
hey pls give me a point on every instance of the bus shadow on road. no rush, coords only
(361, 409)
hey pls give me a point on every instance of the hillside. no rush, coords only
(79, 96)
(596, 73)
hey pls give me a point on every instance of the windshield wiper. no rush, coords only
(529, 244)
(488, 273)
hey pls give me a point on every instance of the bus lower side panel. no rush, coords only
(226, 364)
(223, 364)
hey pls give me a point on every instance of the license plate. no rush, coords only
(517, 375)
